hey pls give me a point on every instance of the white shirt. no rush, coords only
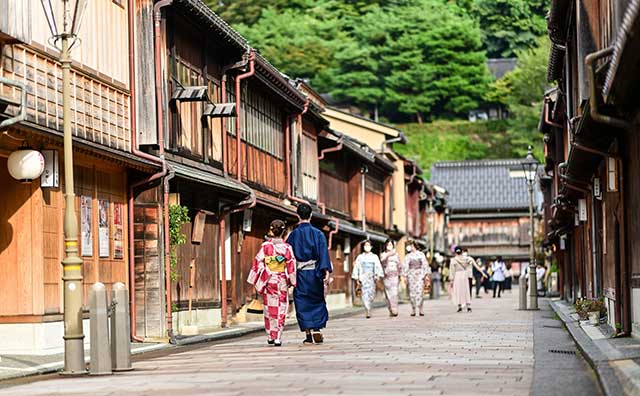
(498, 268)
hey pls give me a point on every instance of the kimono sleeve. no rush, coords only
(425, 264)
(257, 272)
(355, 272)
(404, 266)
(324, 261)
(290, 267)
(378, 272)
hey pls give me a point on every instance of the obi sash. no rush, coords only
(306, 265)
(275, 263)
(415, 264)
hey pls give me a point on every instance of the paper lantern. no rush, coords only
(25, 164)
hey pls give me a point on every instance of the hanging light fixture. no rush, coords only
(25, 164)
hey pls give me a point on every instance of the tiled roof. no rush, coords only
(483, 184)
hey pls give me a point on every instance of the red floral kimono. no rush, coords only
(272, 273)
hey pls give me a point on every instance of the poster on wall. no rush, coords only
(85, 226)
(103, 227)
(118, 239)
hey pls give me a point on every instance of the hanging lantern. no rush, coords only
(25, 164)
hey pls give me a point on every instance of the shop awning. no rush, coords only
(211, 179)
(377, 236)
(348, 228)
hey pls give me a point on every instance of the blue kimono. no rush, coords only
(310, 245)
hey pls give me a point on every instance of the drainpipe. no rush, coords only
(223, 97)
(390, 141)
(322, 205)
(22, 115)
(157, 18)
(134, 150)
(333, 232)
(251, 72)
(589, 60)
(363, 172)
(547, 120)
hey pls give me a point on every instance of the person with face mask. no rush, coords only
(415, 270)
(366, 271)
(390, 261)
(460, 285)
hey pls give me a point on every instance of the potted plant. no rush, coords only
(591, 309)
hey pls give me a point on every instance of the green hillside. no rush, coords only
(455, 140)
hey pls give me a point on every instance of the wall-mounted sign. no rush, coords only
(118, 231)
(103, 228)
(86, 234)
(612, 174)
(597, 191)
(50, 176)
(582, 209)
(197, 233)
(246, 220)
(563, 242)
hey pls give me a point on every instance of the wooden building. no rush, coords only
(489, 208)
(31, 214)
(591, 139)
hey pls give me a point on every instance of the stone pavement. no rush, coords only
(488, 351)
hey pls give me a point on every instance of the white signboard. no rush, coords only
(50, 175)
(582, 209)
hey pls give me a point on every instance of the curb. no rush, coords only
(607, 377)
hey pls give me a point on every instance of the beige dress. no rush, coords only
(460, 293)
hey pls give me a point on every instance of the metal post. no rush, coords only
(71, 264)
(522, 290)
(432, 215)
(120, 329)
(533, 283)
(100, 363)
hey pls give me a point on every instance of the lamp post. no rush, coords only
(70, 12)
(530, 168)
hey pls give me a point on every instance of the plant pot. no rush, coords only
(594, 318)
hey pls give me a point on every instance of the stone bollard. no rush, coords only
(522, 290)
(120, 328)
(100, 363)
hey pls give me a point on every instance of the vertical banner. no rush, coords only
(118, 232)
(86, 235)
(103, 228)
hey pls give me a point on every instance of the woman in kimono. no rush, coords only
(415, 270)
(272, 273)
(460, 287)
(390, 261)
(366, 271)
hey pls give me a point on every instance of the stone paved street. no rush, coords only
(488, 351)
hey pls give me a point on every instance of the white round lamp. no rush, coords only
(25, 164)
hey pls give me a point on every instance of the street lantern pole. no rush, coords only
(72, 13)
(533, 283)
(71, 263)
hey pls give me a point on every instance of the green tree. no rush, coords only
(522, 91)
(509, 25)
(301, 46)
(416, 58)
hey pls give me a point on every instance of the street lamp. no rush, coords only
(69, 15)
(530, 168)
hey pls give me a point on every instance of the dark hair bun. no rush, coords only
(277, 227)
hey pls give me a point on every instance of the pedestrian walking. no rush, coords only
(415, 270)
(436, 279)
(472, 268)
(366, 271)
(460, 285)
(479, 275)
(272, 273)
(313, 268)
(391, 264)
(508, 278)
(499, 269)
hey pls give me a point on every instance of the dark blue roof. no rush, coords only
(484, 184)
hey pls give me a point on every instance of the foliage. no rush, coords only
(454, 140)
(521, 91)
(509, 26)
(584, 306)
(178, 215)
(417, 57)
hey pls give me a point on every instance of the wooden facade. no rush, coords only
(592, 159)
